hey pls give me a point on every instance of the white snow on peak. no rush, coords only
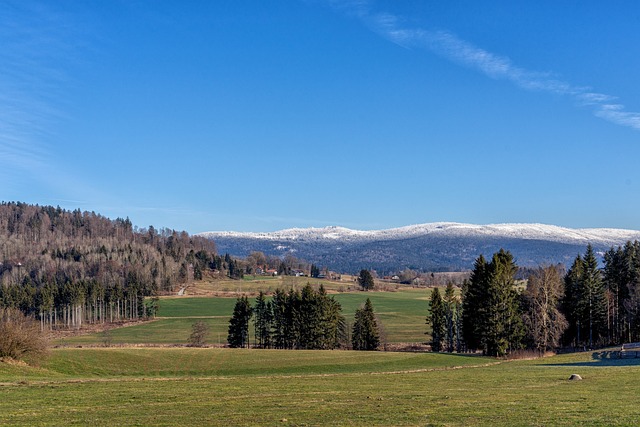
(603, 236)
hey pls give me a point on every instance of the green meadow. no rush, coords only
(402, 315)
(212, 386)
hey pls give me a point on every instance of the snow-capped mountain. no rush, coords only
(433, 246)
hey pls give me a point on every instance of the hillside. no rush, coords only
(429, 247)
(73, 267)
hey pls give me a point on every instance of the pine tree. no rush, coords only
(263, 321)
(594, 300)
(280, 322)
(365, 335)
(503, 322)
(437, 320)
(365, 280)
(571, 306)
(491, 315)
(474, 296)
(238, 336)
(450, 307)
(315, 271)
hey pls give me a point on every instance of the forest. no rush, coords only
(67, 268)
(588, 307)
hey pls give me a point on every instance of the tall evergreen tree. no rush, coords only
(491, 315)
(365, 335)
(365, 280)
(503, 321)
(437, 320)
(263, 321)
(280, 322)
(474, 296)
(238, 336)
(450, 307)
(593, 303)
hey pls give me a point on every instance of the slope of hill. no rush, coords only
(431, 247)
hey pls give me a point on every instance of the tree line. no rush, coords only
(301, 319)
(585, 307)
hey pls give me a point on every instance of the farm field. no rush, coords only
(401, 313)
(182, 386)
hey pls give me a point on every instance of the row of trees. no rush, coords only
(306, 319)
(586, 307)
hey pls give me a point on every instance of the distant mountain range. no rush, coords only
(443, 246)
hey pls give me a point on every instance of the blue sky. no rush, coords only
(258, 116)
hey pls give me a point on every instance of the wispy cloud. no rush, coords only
(455, 49)
(33, 42)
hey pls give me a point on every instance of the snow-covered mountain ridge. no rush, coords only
(441, 246)
(551, 233)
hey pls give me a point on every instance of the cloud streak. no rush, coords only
(457, 50)
(33, 39)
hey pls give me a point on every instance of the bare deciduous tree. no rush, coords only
(543, 318)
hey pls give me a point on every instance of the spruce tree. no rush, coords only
(263, 321)
(365, 335)
(437, 320)
(594, 304)
(238, 336)
(503, 322)
(365, 280)
(571, 306)
(474, 295)
(450, 305)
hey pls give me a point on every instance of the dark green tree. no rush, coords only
(491, 314)
(504, 329)
(437, 320)
(263, 321)
(238, 336)
(315, 271)
(280, 322)
(451, 313)
(365, 280)
(365, 335)
(594, 303)
(474, 296)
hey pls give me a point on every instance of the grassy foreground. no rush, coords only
(179, 386)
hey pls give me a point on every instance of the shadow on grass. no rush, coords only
(602, 358)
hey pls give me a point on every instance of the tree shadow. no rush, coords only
(603, 358)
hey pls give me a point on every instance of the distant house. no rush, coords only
(395, 278)
(272, 272)
(298, 273)
(259, 271)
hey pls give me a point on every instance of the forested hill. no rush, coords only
(69, 266)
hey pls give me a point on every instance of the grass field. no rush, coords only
(401, 313)
(179, 386)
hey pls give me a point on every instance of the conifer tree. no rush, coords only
(474, 295)
(491, 315)
(365, 280)
(238, 336)
(594, 300)
(263, 321)
(365, 335)
(437, 320)
(450, 305)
